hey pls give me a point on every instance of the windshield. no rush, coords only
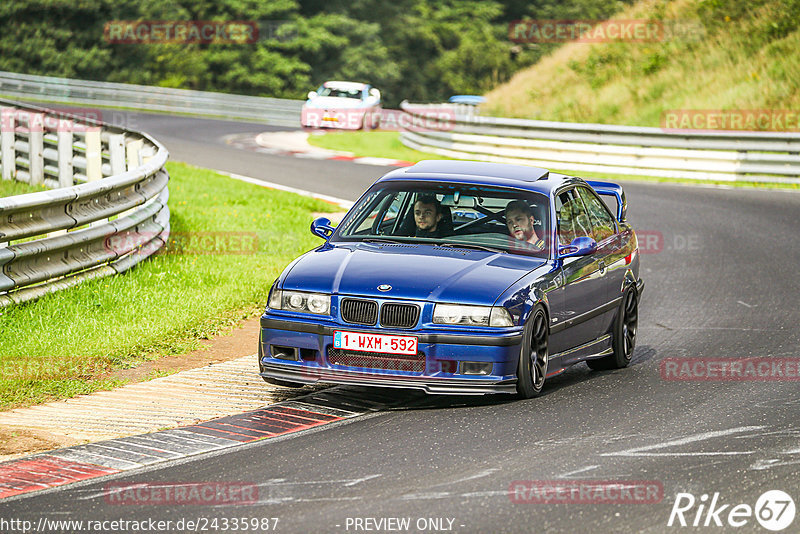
(467, 215)
(339, 93)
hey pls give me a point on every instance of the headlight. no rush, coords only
(274, 301)
(300, 301)
(471, 315)
(317, 303)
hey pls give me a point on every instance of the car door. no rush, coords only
(584, 289)
(609, 248)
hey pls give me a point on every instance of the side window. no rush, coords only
(603, 225)
(384, 211)
(392, 212)
(572, 218)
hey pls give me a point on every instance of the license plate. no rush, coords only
(375, 342)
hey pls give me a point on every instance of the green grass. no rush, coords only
(387, 145)
(61, 344)
(9, 188)
(372, 144)
(733, 55)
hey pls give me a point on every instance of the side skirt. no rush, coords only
(593, 349)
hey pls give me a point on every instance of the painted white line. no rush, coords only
(480, 474)
(366, 160)
(641, 451)
(762, 465)
(581, 470)
(679, 454)
(744, 304)
(346, 204)
(314, 155)
(486, 493)
(344, 482)
(362, 479)
(426, 495)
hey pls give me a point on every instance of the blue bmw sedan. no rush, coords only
(459, 277)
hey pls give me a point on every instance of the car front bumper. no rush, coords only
(314, 340)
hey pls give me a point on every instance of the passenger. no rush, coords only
(520, 222)
(427, 216)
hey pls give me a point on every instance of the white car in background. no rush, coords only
(343, 105)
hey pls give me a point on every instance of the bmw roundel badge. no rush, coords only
(384, 287)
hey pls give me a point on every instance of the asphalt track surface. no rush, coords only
(723, 282)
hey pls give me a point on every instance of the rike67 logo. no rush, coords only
(774, 510)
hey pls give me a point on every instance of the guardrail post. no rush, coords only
(116, 149)
(94, 156)
(133, 148)
(7, 141)
(66, 173)
(36, 147)
(147, 154)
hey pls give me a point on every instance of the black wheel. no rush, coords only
(624, 341)
(533, 357)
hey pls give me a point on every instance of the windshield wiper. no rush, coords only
(471, 246)
(381, 240)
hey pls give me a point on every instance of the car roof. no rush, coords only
(345, 85)
(481, 172)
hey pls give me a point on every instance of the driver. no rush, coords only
(427, 216)
(520, 222)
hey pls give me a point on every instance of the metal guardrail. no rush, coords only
(274, 111)
(115, 217)
(727, 156)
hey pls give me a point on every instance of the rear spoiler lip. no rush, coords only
(612, 190)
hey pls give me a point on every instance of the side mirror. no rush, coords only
(580, 246)
(322, 228)
(374, 92)
(312, 94)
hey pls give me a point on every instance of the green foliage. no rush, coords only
(9, 188)
(715, 54)
(423, 50)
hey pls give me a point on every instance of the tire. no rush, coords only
(533, 356)
(624, 341)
